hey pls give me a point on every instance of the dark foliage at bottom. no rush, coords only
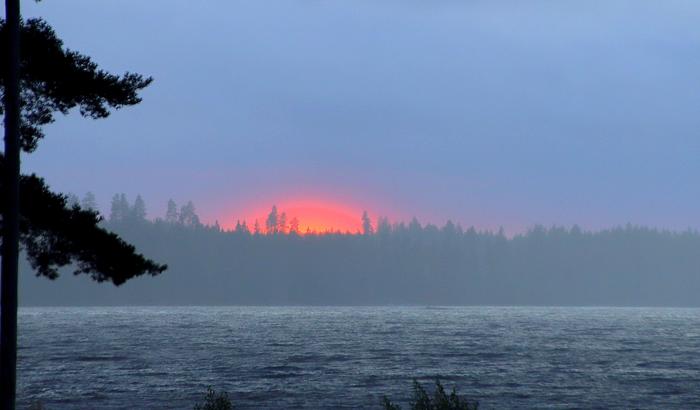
(215, 401)
(440, 400)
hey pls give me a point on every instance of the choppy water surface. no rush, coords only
(327, 357)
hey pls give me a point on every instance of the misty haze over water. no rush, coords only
(388, 264)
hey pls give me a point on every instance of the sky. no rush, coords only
(489, 113)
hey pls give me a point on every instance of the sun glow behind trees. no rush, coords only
(300, 216)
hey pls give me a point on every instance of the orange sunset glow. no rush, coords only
(312, 215)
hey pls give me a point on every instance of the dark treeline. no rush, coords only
(388, 263)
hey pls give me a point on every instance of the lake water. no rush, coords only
(349, 357)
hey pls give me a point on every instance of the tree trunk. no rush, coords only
(10, 216)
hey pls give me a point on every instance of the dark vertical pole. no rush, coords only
(10, 217)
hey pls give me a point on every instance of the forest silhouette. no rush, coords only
(389, 263)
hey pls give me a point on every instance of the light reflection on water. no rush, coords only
(348, 357)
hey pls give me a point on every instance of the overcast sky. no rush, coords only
(490, 113)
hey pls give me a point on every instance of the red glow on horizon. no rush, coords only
(313, 216)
